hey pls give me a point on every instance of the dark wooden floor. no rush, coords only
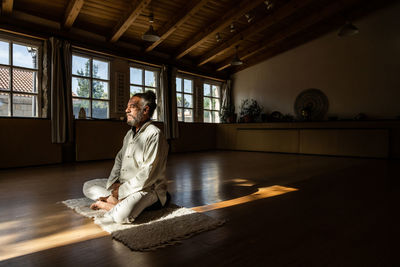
(344, 213)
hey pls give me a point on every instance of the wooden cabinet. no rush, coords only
(345, 142)
(352, 138)
(272, 140)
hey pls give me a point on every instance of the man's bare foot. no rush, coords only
(104, 199)
(94, 206)
(101, 205)
(110, 199)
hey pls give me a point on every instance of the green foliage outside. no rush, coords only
(84, 87)
(186, 103)
(98, 91)
(211, 103)
(207, 103)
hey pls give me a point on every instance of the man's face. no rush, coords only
(135, 111)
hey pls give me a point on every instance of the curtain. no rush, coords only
(60, 92)
(168, 89)
(45, 81)
(227, 101)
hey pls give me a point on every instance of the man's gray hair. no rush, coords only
(149, 99)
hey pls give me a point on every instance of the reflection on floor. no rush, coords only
(282, 210)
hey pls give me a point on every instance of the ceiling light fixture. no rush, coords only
(232, 28)
(269, 4)
(218, 37)
(249, 17)
(151, 35)
(236, 60)
(348, 29)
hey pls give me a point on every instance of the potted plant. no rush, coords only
(250, 110)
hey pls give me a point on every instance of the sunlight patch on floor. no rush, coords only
(11, 246)
(262, 192)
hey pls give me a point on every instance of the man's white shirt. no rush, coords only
(141, 162)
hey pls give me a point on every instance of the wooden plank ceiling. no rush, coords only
(201, 35)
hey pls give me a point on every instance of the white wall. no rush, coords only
(358, 73)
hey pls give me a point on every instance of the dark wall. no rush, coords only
(195, 137)
(25, 142)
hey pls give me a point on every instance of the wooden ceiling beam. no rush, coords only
(172, 25)
(72, 12)
(7, 7)
(300, 25)
(259, 26)
(94, 42)
(225, 20)
(126, 21)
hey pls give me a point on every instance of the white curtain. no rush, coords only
(226, 94)
(168, 89)
(60, 89)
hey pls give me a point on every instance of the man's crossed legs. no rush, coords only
(121, 211)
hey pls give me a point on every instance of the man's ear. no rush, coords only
(146, 110)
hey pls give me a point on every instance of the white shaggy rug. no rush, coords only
(152, 229)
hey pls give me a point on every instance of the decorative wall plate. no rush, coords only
(311, 104)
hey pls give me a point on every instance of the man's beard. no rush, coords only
(135, 120)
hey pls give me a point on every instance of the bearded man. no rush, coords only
(137, 179)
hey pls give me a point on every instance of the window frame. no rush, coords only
(24, 41)
(157, 88)
(211, 110)
(183, 93)
(92, 57)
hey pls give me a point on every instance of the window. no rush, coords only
(211, 102)
(91, 86)
(144, 78)
(19, 79)
(184, 99)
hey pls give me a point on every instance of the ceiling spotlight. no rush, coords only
(348, 29)
(236, 60)
(218, 37)
(269, 4)
(151, 35)
(232, 28)
(249, 17)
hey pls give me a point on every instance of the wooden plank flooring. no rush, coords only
(344, 212)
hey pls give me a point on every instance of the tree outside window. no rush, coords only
(90, 86)
(211, 103)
